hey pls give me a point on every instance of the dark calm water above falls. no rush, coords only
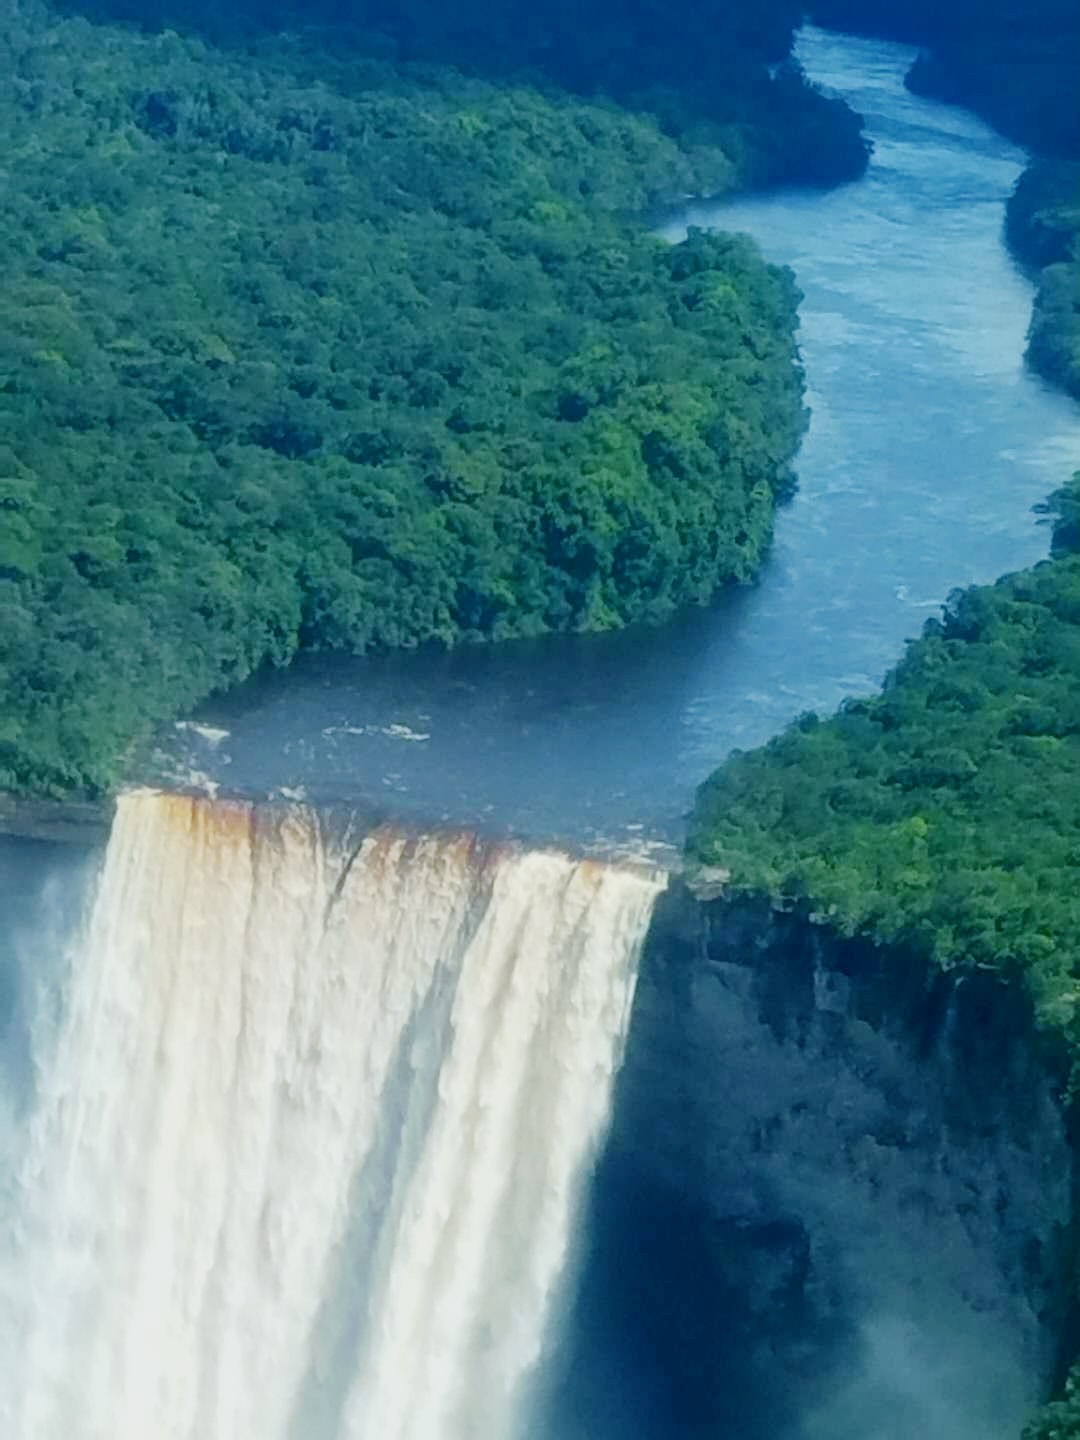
(929, 445)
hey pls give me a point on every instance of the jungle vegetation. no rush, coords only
(710, 72)
(1043, 225)
(944, 813)
(1014, 61)
(942, 816)
(308, 345)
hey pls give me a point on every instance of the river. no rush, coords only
(929, 444)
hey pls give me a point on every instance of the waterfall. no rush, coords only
(308, 1151)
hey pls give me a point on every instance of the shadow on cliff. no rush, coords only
(678, 1320)
(831, 1207)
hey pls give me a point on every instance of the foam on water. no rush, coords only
(308, 1152)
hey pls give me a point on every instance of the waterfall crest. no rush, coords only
(307, 1156)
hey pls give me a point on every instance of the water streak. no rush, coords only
(308, 1154)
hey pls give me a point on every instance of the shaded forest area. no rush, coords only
(305, 347)
(711, 73)
(1043, 225)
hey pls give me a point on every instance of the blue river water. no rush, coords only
(928, 447)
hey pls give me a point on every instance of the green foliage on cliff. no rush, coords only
(302, 348)
(945, 812)
(1043, 226)
(1042, 221)
(1061, 1419)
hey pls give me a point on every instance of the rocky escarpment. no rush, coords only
(835, 1200)
(69, 821)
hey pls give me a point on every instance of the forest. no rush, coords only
(942, 816)
(1043, 228)
(718, 72)
(315, 346)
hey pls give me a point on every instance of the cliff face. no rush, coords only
(834, 1201)
(75, 822)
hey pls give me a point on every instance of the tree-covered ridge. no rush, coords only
(1043, 223)
(713, 74)
(943, 813)
(356, 364)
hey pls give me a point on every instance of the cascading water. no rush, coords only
(308, 1153)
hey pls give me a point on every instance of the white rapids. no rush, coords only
(308, 1153)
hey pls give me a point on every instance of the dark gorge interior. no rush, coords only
(834, 1202)
(836, 1181)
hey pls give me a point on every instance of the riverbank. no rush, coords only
(354, 353)
(1030, 95)
(1014, 65)
(845, 1185)
(1043, 230)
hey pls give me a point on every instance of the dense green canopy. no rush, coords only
(299, 347)
(710, 71)
(943, 816)
(945, 812)
(1061, 1419)
(1044, 231)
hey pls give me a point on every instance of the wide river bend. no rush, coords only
(929, 444)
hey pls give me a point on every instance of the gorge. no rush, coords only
(835, 1192)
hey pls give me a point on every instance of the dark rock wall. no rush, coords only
(834, 1203)
(75, 822)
